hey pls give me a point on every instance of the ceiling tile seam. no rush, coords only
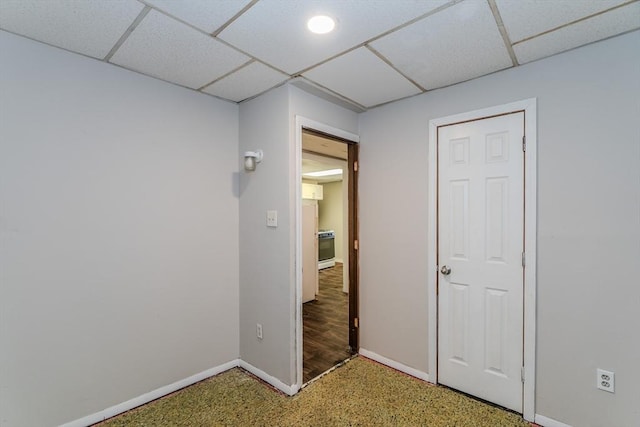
(400, 99)
(390, 64)
(503, 31)
(332, 92)
(265, 91)
(155, 77)
(234, 17)
(217, 79)
(331, 58)
(414, 20)
(50, 45)
(326, 94)
(110, 63)
(175, 18)
(589, 43)
(385, 33)
(145, 10)
(266, 64)
(457, 83)
(136, 71)
(216, 38)
(593, 15)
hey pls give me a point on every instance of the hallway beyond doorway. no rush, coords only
(326, 326)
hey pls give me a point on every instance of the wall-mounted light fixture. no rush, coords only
(251, 159)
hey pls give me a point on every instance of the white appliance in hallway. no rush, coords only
(326, 249)
(309, 252)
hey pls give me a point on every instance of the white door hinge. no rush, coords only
(356, 323)
(524, 143)
(522, 373)
(524, 259)
(355, 166)
(355, 245)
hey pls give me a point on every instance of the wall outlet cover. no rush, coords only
(272, 218)
(605, 380)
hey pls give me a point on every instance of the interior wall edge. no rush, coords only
(151, 396)
(394, 364)
(549, 422)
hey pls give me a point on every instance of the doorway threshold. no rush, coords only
(333, 368)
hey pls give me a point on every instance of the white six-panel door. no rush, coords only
(480, 239)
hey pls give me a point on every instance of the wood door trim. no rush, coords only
(352, 158)
(308, 125)
(353, 252)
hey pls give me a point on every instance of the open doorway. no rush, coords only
(328, 246)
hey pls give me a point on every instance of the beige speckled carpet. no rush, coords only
(359, 393)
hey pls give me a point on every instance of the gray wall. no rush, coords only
(128, 263)
(310, 107)
(588, 222)
(264, 252)
(331, 214)
(118, 234)
(267, 255)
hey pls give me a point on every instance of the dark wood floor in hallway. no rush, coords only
(326, 325)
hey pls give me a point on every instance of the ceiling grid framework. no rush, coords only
(379, 52)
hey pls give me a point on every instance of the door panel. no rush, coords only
(480, 238)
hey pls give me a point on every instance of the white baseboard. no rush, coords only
(548, 422)
(287, 389)
(148, 397)
(393, 364)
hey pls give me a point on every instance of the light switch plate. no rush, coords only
(272, 218)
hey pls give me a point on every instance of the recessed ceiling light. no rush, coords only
(328, 172)
(321, 24)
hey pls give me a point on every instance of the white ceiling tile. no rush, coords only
(88, 27)
(251, 80)
(207, 15)
(526, 18)
(362, 77)
(165, 48)
(457, 44)
(597, 28)
(275, 31)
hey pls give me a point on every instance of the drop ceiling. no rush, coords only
(380, 51)
(320, 153)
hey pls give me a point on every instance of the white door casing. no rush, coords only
(480, 235)
(529, 107)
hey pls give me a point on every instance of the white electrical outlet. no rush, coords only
(606, 380)
(259, 331)
(272, 218)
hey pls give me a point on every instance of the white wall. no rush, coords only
(118, 234)
(588, 224)
(331, 213)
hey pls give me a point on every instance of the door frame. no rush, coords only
(529, 107)
(306, 123)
